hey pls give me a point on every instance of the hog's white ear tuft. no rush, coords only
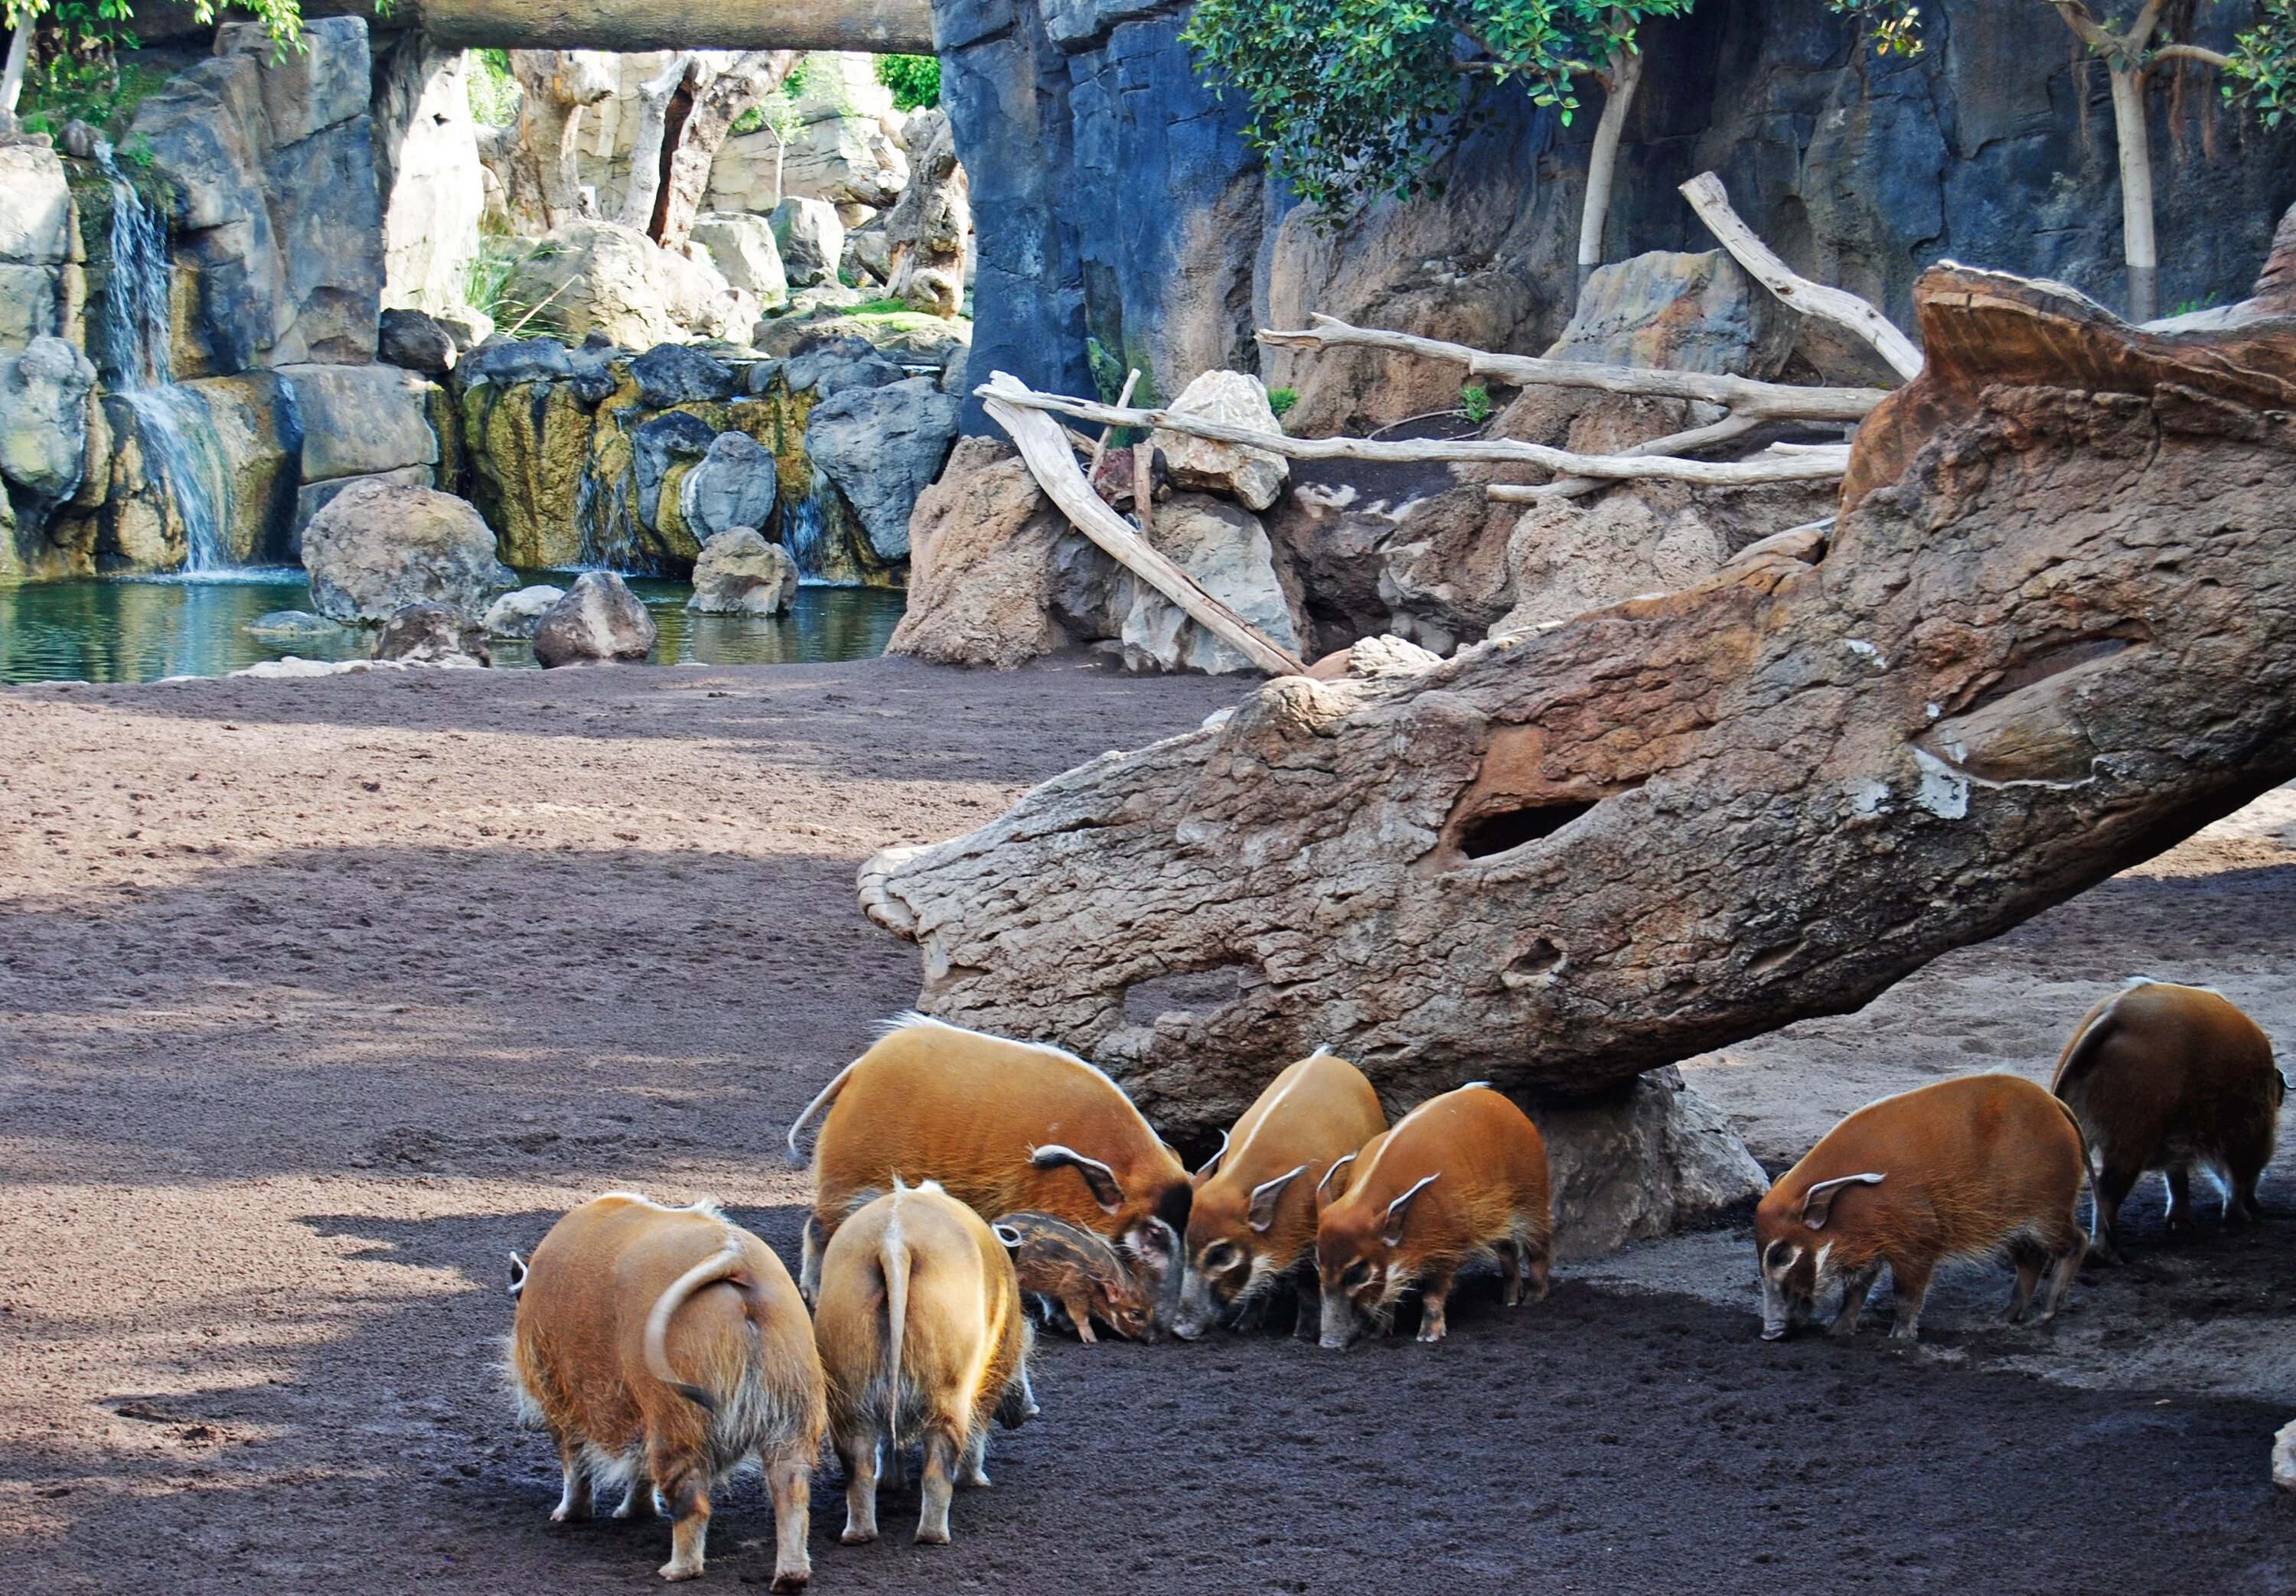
(517, 1275)
(1099, 1176)
(1324, 1186)
(1011, 1238)
(1267, 1195)
(1212, 1163)
(1817, 1202)
(1400, 1209)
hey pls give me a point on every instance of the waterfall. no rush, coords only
(181, 454)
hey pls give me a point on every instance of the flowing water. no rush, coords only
(143, 628)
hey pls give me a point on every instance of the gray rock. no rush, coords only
(360, 420)
(829, 368)
(508, 360)
(415, 341)
(676, 375)
(740, 573)
(595, 375)
(744, 249)
(597, 276)
(810, 238)
(378, 548)
(433, 185)
(599, 621)
(761, 376)
(517, 614)
(469, 327)
(312, 497)
(433, 634)
(43, 418)
(883, 447)
(293, 623)
(2283, 1457)
(1651, 1160)
(736, 486)
(673, 435)
(306, 90)
(1225, 548)
(1253, 477)
(1677, 312)
(36, 243)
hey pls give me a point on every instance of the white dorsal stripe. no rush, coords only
(1299, 1073)
(1393, 1130)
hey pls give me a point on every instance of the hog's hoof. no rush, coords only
(1429, 1337)
(569, 1515)
(793, 1580)
(856, 1537)
(978, 1481)
(932, 1537)
(674, 1569)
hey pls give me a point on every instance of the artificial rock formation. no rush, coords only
(599, 622)
(2052, 633)
(740, 573)
(378, 548)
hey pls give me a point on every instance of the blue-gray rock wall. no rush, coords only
(1116, 201)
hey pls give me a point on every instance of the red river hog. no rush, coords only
(1253, 1224)
(1973, 1167)
(921, 1336)
(1461, 1180)
(1003, 1126)
(1078, 1269)
(664, 1347)
(2172, 1078)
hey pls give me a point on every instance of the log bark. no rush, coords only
(646, 162)
(875, 26)
(2055, 634)
(694, 142)
(537, 154)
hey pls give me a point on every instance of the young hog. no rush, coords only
(2170, 1077)
(920, 1333)
(1460, 1180)
(1078, 1269)
(1965, 1168)
(663, 1347)
(1253, 1221)
(1002, 1126)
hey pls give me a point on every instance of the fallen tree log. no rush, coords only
(2054, 632)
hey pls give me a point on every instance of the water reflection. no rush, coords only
(141, 630)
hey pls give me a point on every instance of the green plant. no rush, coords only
(491, 87)
(2261, 72)
(1475, 399)
(915, 80)
(487, 274)
(1281, 400)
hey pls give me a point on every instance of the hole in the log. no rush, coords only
(2053, 661)
(1193, 991)
(1496, 833)
(1762, 964)
(1538, 959)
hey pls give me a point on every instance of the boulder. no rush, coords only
(596, 276)
(517, 614)
(1678, 312)
(883, 447)
(43, 418)
(378, 548)
(36, 244)
(293, 623)
(740, 573)
(359, 420)
(735, 486)
(600, 620)
(832, 367)
(810, 239)
(312, 497)
(743, 250)
(927, 231)
(1225, 549)
(2283, 1457)
(506, 360)
(980, 559)
(658, 443)
(415, 341)
(701, 300)
(1567, 558)
(1650, 1159)
(426, 146)
(433, 634)
(1253, 476)
(671, 374)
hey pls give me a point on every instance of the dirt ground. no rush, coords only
(317, 998)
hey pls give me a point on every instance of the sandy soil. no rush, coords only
(316, 998)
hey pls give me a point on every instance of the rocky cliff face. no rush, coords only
(1117, 201)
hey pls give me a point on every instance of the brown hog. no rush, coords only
(920, 1333)
(2171, 1079)
(1965, 1168)
(1078, 1269)
(1002, 1126)
(1253, 1224)
(1460, 1180)
(663, 1347)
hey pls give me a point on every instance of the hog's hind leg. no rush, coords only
(574, 1500)
(858, 1454)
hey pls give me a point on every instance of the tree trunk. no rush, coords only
(540, 187)
(716, 108)
(12, 77)
(2136, 142)
(1602, 162)
(646, 162)
(2054, 632)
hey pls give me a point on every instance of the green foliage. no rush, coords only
(2262, 73)
(794, 84)
(1475, 399)
(1107, 371)
(1351, 99)
(491, 87)
(486, 274)
(101, 88)
(105, 21)
(1281, 400)
(915, 80)
(1894, 24)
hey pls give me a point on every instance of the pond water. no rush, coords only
(140, 629)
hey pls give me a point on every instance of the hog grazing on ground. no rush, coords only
(921, 1334)
(1461, 1180)
(1003, 1126)
(1966, 1169)
(2170, 1077)
(1078, 1269)
(1252, 1225)
(664, 1347)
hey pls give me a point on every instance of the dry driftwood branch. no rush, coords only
(2054, 632)
(1763, 401)
(1783, 464)
(1674, 443)
(1046, 453)
(1100, 444)
(1844, 309)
